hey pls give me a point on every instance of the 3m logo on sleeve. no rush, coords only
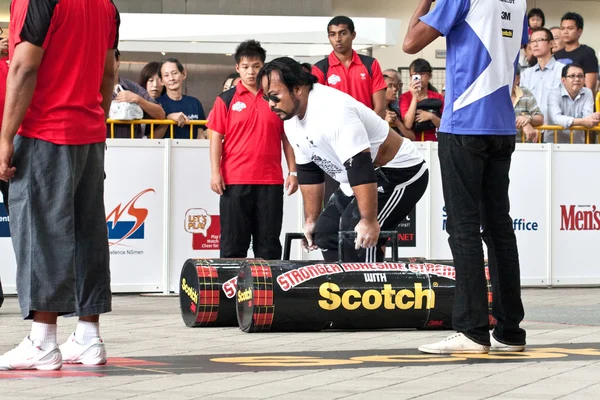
(507, 33)
(128, 221)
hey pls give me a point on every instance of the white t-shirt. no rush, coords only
(337, 127)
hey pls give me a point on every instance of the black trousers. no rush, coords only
(475, 180)
(399, 190)
(251, 212)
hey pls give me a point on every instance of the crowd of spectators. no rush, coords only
(557, 74)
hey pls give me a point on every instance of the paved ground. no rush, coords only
(153, 355)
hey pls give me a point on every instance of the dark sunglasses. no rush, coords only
(270, 97)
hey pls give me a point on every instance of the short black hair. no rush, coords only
(572, 16)
(536, 12)
(565, 70)
(290, 72)
(341, 20)
(170, 60)
(549, 34)
(307, 67)
(233, 76)
(117, 54)
(420, 65)
(251, 49)
(153, 67)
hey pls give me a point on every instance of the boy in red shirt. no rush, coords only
(245, 156)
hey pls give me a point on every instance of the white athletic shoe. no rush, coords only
(499, 346)
(455, 344)
(29, 355)
(93, 353)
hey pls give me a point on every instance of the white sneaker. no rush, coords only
(499, 346)
(93, 353)
(455, 344)
(29, 355)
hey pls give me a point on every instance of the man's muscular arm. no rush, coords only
(362, 178)
(312, 186)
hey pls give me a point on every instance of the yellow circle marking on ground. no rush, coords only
(408, 359)
(284, 361)
(513, 355)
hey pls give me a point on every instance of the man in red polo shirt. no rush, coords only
(52, 143)
(344, 69)
(3, 75)
(245, 157)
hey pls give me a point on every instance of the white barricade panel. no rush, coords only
(134, 202)
(575, 215)
(440, 250)
(8, 264)
(528, 193)
(194, 214)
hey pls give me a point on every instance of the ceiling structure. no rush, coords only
(301, 37)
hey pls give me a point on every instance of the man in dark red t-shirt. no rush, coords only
(245, 157)
(52, 145)
(346, 69)
(3, 76)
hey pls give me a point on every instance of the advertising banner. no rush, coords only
(529, 211)
(134, 202)
(575, 215)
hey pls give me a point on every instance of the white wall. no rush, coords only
(403, 10)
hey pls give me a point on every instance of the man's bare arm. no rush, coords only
(108, 81)
(419, 34)
(20, 85)
(312, 196)
(379, 105)
(591, 81)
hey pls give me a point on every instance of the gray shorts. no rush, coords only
(58, 227)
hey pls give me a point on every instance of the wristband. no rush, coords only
(293, 173)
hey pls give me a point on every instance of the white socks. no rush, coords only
(86, 331)
(43, 333)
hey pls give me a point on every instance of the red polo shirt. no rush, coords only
(355, 80)
(252, 139)
(66, 108)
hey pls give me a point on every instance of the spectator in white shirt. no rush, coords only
(572, 104)
(544, 76)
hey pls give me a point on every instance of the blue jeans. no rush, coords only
(475, 181)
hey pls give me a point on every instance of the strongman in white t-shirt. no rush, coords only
(381, 174)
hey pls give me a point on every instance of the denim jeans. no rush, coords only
(475, 182)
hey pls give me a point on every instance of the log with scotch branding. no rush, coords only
(207, 288)
(312, 296)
